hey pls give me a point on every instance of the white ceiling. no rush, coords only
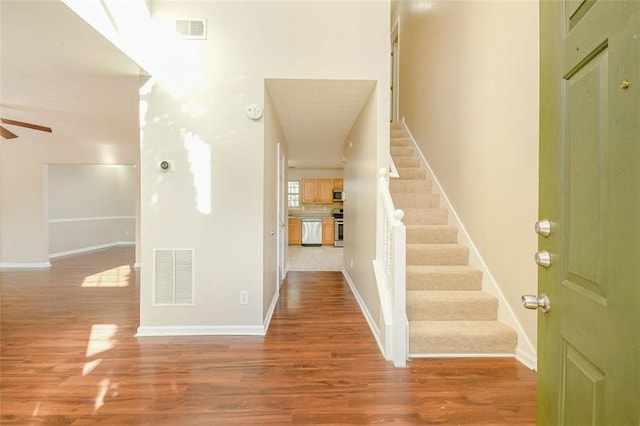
(316, 117)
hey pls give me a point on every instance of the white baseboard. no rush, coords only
(272, 308)
(91, 248)
(525, 351)
(367, 315)
(25, 265)
(201, 330)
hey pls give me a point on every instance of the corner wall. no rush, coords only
(201, 88)
(361, 204)
(469, 76)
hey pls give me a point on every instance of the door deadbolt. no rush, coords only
(543, 258)
(543, 227)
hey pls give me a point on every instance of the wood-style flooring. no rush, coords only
(69, 357)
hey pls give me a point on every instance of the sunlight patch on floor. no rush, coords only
(114, 277)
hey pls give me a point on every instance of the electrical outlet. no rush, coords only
(244, 297)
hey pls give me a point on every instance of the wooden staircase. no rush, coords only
(448, 312)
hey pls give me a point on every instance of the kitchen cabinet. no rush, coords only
(317, 191)
(338, 184)
(327, 231)
(295, 231)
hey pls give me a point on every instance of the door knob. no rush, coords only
(530, 301)
(543, 227)
(543, 258)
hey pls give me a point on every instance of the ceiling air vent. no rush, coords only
(192, 29)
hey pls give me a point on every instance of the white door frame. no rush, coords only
(282, 219)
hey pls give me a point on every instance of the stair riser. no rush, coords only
(458, 255)
(400, 141)
(432, 234)
(408, 186)
(455, 344)
(425, 217)
(458, 310)
(408, 200)
(406, 161)
(401, 151)
(412, 173)
(471, 280)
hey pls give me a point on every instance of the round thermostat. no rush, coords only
(254, 111)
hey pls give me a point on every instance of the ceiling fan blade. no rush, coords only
(27, 125)
(6, 134)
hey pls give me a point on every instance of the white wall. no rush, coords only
(90, 206)
(202, 88)
(469, 93)
(69, 78)
(360, 218)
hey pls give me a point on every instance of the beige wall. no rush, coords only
(469, 93)
(360, 206)
(202, 88)
(90, 206)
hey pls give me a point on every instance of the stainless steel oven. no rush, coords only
(338, 240)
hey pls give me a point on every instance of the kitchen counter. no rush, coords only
(305, 214)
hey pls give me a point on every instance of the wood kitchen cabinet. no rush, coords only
(327, 231)
(338, 183)
(317, 191)
(295, 231)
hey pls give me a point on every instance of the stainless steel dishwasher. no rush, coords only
(311, 232)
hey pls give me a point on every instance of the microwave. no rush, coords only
(338, 194)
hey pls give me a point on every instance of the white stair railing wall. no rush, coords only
(393, 265)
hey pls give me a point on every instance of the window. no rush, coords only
(293, 193)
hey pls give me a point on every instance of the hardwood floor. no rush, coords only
(69, 357)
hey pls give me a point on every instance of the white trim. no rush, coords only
(527, 358)
(525, 351)
(91, 248)
(90, 219)
(136, 265)
(26, 265)
(272, 308)
(367, 315)
(201, 330)
(386, 344)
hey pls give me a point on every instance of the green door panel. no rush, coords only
(589, 343)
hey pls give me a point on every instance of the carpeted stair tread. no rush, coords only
(443, 305)
(443, 277)
(432, 234)
(437, 254)
(429, 216)
(461, 337)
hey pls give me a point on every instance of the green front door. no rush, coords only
(589, 341)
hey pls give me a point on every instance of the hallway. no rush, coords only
(69, 357)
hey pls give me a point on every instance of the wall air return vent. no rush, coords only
(192, 29)
(173, 277)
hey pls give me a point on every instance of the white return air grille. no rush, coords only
(173, 277)
(192, 29)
